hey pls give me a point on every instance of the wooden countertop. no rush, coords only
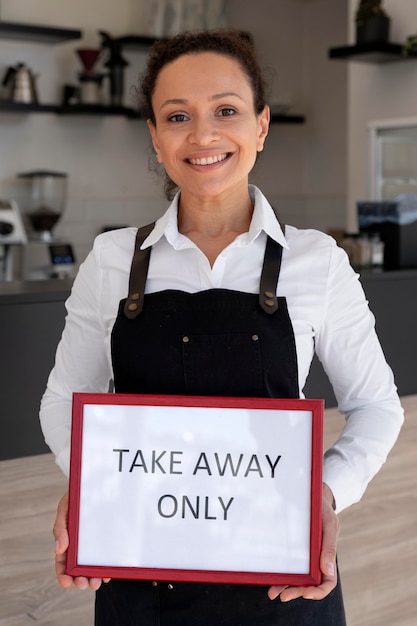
(377, 544)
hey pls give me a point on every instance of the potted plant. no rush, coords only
(410, 46)
(372, 22)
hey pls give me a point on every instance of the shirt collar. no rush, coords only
(263, 219)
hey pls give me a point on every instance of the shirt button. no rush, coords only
(154, 583)
(170, 586)
(186, 339)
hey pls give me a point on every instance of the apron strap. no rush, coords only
(138, 273)
(269, 277)
(140, 263)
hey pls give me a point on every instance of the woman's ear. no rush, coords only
(263, 121)
(152, 130)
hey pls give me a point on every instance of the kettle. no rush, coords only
(20, 82)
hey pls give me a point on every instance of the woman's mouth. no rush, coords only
(210, 160)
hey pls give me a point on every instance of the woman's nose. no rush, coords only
(203, 132)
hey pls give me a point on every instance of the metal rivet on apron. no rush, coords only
(269, 294)
(134, 296)
(255, 337)
(170, 586)
(186, 339)
(154, 583)
(269, 302)
(132, 307)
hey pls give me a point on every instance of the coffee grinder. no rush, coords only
(43, 202)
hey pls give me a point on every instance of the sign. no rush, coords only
(196, 488)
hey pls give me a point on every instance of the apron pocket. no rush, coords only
(215, 364)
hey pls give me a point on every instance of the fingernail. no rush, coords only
(330, 568)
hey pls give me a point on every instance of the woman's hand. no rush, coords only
(327, 559)
(61, 547)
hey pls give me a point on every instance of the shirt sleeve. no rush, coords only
(81, 362)
(348, 347)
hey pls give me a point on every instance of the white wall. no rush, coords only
(377, 92)
(303, 168)
(118, 16)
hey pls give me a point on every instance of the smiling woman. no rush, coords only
(218, 299)
(207, 135)
(236, 47)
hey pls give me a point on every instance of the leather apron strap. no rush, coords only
(138, 273)
(269, 277)
(140, 263)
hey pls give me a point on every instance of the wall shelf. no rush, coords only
(79, 109)
(22, 107)
(46, 34)
(287, 119)
(138, 42)
(42, 34)
(369, 53)
(98, 110)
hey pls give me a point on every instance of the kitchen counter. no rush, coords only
(31, 321)
(34, 291)
(392, 298)
(32, 318)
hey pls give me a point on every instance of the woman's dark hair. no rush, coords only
(235, 44)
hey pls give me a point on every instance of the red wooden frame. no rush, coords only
(315, 407)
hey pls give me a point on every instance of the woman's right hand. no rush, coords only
(61, 547)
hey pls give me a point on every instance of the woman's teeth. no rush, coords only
(208, 160)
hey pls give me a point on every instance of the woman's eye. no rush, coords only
(178, 117)
(227, 111)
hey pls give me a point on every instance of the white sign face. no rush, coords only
(195, 488)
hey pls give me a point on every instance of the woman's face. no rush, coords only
(207, 133)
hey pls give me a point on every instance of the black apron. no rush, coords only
(220, 343)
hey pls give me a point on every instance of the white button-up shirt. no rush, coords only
(326, 304)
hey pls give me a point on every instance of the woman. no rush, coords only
(205, 103)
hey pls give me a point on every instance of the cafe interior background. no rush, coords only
(316, 166)
(75, 156)
(344, 135)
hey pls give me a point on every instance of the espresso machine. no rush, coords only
(43, 199)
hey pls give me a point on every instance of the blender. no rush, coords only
(43, 203)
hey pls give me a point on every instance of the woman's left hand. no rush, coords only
(327, 559)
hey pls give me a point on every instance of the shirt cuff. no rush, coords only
(345, 486)
(63, 461)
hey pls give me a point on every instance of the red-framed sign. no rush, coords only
(187, 488)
